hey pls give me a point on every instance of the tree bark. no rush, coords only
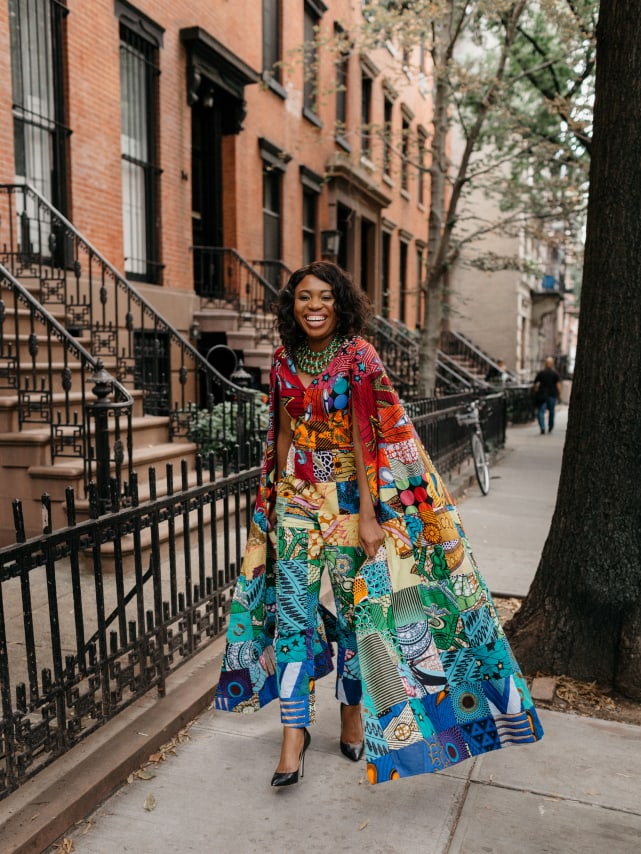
(582, 616)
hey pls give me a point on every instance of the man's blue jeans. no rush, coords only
(549, 403)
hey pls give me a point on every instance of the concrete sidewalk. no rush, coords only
(578, 790)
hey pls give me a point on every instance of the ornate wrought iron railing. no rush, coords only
(141, 348)
(224, 279)
(275, 272)
(85, 631)
(48, 372)
(398, 350)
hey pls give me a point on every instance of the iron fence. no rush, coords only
(45, 374)
(96, 613)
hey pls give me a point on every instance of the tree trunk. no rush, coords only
(433, 306)
(582, 616)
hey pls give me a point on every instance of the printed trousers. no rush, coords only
(316, 530)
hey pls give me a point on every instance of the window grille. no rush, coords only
(139, 75)
(366, 115)
(271, 214)
(37, 87)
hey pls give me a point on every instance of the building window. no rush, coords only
(342, 72)
(312, 184)
(313, 12)
(271, 41)
(385, 273)
(366, 115)
(402, 282)
(37, 86)
(275, 162)
(310, 206)
(420, 177)
(271, 213)
(419, 287)
(139, 75)
(387, 136)
(405, 154)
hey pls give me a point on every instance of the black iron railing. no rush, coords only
(134, 341)
(45, 379)
(85, 630)
(474, 363)
(398, 350)
(222, 277)
(275, 272)
(445, 438)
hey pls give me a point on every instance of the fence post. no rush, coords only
(102, 389)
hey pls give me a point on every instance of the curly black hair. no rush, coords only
(352, 305)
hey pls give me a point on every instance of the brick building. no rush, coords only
(159, 126)
(194, 151)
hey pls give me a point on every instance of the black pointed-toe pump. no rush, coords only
(352, 751)
(288, 778)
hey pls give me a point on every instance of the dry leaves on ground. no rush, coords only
(165, 750)
(580, 698)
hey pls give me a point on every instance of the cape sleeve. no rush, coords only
(378, 414)
(266, 486)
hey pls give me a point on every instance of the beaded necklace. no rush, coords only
(312, 362)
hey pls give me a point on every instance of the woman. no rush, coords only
(347, 485)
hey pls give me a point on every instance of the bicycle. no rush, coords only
(471, 418)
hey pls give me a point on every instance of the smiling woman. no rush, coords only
(347, 486)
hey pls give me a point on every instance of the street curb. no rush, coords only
(42, 809)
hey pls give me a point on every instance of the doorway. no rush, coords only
(207, 193)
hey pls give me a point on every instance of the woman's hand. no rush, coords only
(370, 534)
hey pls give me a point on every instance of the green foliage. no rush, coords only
(227, 424)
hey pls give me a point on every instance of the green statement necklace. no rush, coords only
(312, 362)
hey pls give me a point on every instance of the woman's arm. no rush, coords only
(370, 533)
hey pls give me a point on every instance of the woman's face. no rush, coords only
(315, 311)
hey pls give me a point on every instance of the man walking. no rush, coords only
(547, 390)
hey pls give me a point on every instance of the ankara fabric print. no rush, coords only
(439, 680)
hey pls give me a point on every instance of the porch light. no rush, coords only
(330, 244)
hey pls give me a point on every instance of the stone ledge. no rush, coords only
(42, 809)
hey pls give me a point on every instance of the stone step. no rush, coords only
(9, 415)
(30, 481)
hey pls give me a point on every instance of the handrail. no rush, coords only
(32, 381)
(131, 291)
(265, 266)
(257, 299)
(398, 352)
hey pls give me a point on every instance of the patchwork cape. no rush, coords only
(440, 682)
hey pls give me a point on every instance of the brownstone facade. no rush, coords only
(275, 169)
(198, 151)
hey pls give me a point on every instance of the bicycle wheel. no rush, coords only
(481, 466)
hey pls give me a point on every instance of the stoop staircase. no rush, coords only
(94, 382)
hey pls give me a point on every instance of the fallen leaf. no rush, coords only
(364, 825)
(150, 803)
(143, 774)
(65, 847)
